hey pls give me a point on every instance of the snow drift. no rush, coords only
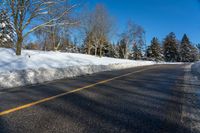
(38, 66)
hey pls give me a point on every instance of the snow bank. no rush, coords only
(38, 66)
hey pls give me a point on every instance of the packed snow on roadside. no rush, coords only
(38, 66)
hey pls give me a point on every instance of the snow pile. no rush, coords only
(38, 66)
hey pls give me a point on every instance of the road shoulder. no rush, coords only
(191, 100)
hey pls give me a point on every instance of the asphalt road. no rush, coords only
(147, 100)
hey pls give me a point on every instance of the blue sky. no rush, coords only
(158, 17)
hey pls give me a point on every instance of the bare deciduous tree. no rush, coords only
(134, 35)
(23, 13)
(97, 26)
(57, 33)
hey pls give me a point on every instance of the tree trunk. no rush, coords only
(126, 52)
(100, 51)
(45, 44)
(88, 49)
(95, 51)
(54, 42)
(19, 44)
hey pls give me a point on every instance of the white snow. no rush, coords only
(3, 25)
(38, 66)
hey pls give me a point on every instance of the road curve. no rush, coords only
(137, 100)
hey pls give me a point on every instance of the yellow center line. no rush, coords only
(65, 93)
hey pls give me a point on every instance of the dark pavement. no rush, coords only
(144, 102)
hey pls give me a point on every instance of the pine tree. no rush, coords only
(6, 30)
(122, 45)
(148, 52)
(154, 52)
(104, 48)
(185, 49)
(188, 53)
(137, 52)
(170, 48)
(113, 51)
(198, 47)
(194, 54)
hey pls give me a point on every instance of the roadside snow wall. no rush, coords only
(17, 78)
(34, 67)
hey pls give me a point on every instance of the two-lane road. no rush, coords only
(137, 100)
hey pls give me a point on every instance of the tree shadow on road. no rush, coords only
(4, 126)
(115, 115)
(123, 106)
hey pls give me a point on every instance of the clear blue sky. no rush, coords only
(158, 17)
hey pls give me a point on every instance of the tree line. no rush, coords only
(53, 24)
(172, 50)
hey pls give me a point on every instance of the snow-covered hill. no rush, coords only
(39, 66)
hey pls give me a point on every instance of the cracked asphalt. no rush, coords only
(148, 101)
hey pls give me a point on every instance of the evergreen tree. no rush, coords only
(170, 48)
(104, 48)
(6, 30)
(113, 51)
(154, 51)
(137, 52)
(185, 49)
(122, 45)
(198, 47)
(188, 53)
(148, 52)
(194, 54)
